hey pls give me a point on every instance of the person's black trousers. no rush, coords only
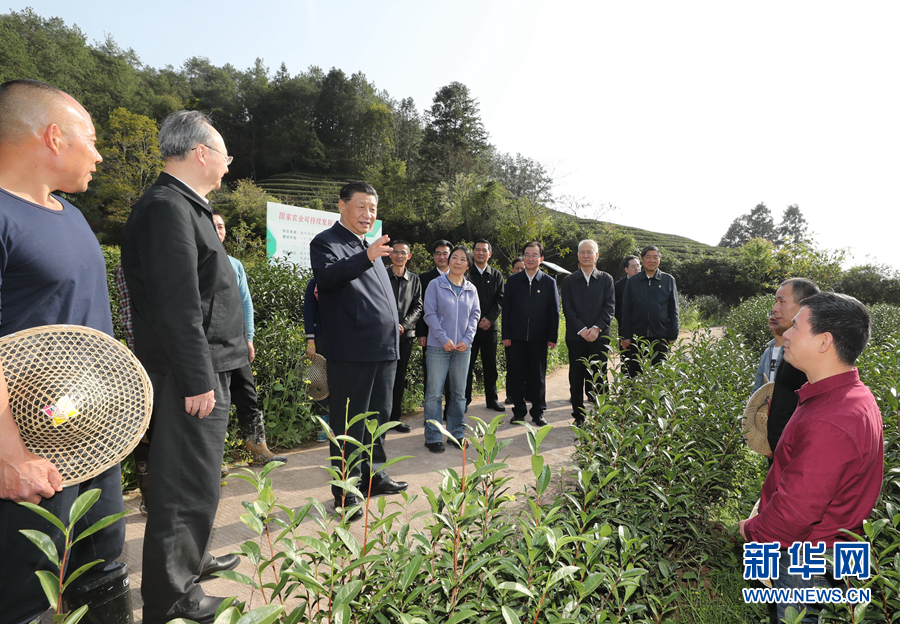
(246, 403)
(406, 346)
(526, 372)
(356, 388)
(660, 348)
(485, 342)
(186, 455)
(581, 377)
(21, 598)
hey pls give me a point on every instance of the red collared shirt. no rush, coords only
(828, 466)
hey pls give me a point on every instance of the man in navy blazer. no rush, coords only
(530, 326)
(588, 301)
(189, 334)
(359, 321)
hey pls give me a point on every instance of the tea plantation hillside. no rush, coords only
(303, 189)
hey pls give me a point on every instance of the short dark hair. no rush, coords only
(400, 241)
(349, 190)
(628, 260)
(517, 259)
(483, 242)
(534, 243)
(217, 213)
(469, 257)
(441, 243)
(650, 248)
(801, 288)
(845, 318)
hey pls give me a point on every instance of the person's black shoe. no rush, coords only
(203, 613)
(495, 405)
(402, 428)
(342, 503)
(435, 447)
(219, 564)
(508, 401)
(516, 419)
(539, 421)
(385, 485)
(457, 444)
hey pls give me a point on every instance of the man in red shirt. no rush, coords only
(829, 464)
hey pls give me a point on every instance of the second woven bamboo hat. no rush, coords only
(756, 419)
(80, 398)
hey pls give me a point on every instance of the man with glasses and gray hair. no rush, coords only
(189, 337)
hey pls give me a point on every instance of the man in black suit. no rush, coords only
(359, 318)
(488, 281)
(408, 294)
(632, 266)
(440, 251)
(189, 335)
(588, 301)
(530, 326)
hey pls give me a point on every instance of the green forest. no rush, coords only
(297, 138)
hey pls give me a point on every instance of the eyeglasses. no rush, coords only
(532, 256)
(228, 159)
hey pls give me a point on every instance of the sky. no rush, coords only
(676, 117)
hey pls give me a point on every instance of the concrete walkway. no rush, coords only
(302, 477)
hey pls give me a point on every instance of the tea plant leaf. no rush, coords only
(561, 573)
(462, 616)
(43, 541)
(509, 616)
(82, 504)
(537, 465)
(50, 585)
(348, 540)
(234, 575)
(262, 615)
(81, 570)
(522, 589)
(100, 525)
(76, 615)
(46, 515)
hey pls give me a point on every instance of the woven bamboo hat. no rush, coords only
(80, 398)
(315, 372)
(756, 419)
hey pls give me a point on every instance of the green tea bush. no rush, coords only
(748, 321)
(885, 322)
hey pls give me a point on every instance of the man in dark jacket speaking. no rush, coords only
(359, 320)
(649, 312)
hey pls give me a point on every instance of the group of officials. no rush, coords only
(826, 463)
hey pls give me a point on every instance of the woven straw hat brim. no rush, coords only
(756, 419)
(315, 372)
(80, 398)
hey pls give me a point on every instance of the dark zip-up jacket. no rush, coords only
(408, 292)
(531, 309)
(587, 304)
(650, 307)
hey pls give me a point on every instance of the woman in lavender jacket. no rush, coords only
(452, 313)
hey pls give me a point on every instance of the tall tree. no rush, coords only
(757, 224)
(522, 176)
(131, 163)
(793, 227)
(454, 139)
